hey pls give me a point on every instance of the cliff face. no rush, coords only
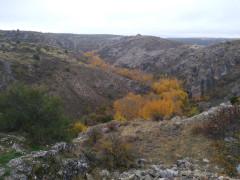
(202, 69)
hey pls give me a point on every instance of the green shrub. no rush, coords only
(36, 56)
(235, 100)
(96, 118)
(191, 111)
(31, 111)
(6, 157)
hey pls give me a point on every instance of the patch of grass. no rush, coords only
(225, 124)
(37, 147)
(7, 171)
(192, 110)
(227, 155)
(6, 157)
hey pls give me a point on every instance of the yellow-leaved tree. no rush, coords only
(94, 60)
(128, 107)
(157, 109)
(171, 90)
(168, 99)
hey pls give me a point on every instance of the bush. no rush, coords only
(113, 152)
(235, 100)
(94, 135)
(227, 155)
(31, 111)
(78, 127)
(6, 157)
(110, 152)
(191, 110)
(97, 117)
(36, 56)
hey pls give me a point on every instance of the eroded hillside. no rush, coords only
(203, 69)
(83, 88)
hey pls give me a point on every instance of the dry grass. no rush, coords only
(166, 141)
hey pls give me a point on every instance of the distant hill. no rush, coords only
(76, 42)
(133, 50)
(201, 41)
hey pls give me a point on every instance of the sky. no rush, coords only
(165, 18)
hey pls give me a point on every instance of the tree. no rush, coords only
(32, 111)
(166, 85)
(168, 99)
(171, 90)
(128, 107)
(157, 109)
(97, 62)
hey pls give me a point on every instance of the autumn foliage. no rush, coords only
(95, 61)
(167, 100)
(134, 74)
(128, 107)
(157, 109)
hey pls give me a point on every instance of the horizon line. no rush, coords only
(113, 34)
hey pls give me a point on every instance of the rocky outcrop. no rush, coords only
(68, 161)
(203, 69)
(212, 112)
(6, 75)
(184, 169)
(201, 41)
(50, 164)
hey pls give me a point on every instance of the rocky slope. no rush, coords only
(201, 68)
(132, 51)
(76, 42)
(83, 88)
(202, 41)
(165, 150)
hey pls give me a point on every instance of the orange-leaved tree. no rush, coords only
(134, 74)
(171, 90)
(168, 99)
(95, 61)
(157, 109)
(128, 107)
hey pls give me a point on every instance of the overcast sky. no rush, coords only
(166, 18)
